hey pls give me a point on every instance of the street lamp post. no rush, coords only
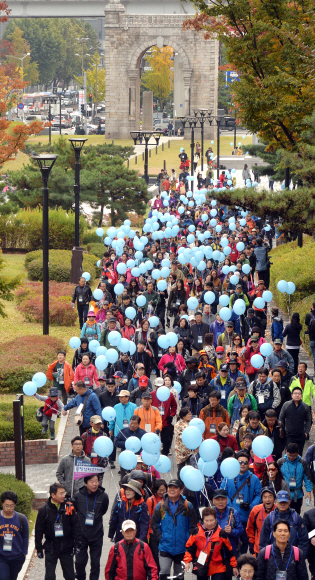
(220, 123)
(21, 58)
(205, 114)
(146, 135)
(45, 163)
(82, 41)
(77, 145)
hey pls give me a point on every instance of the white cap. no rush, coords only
(127, 525)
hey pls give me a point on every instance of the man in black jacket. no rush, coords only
(58, 522)
(275, 431)
(188, 376)
(286, 374)
(83, 295)
(143, 357)
(249, 323)
(91, 503)
(309, 520)
(297, 420)
(197, 334)
(310, 323)
(123, 364)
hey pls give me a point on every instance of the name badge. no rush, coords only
(240, 498)
(261, 399)
(200, 341)
(125, 377)
(80, 298)
(177, 302)
(147, 428)
(281, 575)
(161, 410)
(160, 353)
(93, 454)
(194, 416)
(292, 482)
(202, 558)
(212, 428)
(193, 382)
(61, 381)
(89, 519)
(125, 423)
(223, 395)
(86, 380)
(58, 530)
(7, 542)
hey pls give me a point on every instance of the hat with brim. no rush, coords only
(53, 392)
(91, 314)
(233, 361)
(134, 485)
(220, 493)
(128, 525)
(124, 393)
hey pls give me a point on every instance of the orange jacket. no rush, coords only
(151, 503)
(218, 542)
(151, 417)
(207, 368)
(68, 375)
(213, 417)
(255, 523)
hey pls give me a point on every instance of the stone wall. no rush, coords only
(37, 451)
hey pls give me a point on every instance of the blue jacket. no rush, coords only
(237, 322)
(217, 329)
(122, 412)
(251, 492)
(174, 531)
(123, 435)
(300, 471)
(227, 387)
(237, 526)
(90, 332)
(273, 359)
(298, 534)
(277, 328)
(93, 406)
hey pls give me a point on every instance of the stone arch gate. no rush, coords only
(127, 38)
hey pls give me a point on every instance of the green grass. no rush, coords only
(32, 521)
(14, 266)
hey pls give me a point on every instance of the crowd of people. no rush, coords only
(249, 525)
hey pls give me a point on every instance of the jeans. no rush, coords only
(45, 420)
(63, 396)
(95, 556)
(312, 345)
(166, 561)
(82, 311)
(294, 352)
(10, 568)
(66, 561)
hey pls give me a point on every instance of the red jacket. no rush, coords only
(169, 406)
(130, 561)
(224, 442)
(234, 255)
(90, 371)
(221, 547)
(176, 358)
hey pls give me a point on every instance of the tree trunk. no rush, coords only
(300, 240)
(101, 216)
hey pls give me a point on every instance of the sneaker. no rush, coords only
(153, 372)
(44, 431)
(52, 437)
(112, 465)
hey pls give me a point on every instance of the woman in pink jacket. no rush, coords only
(86, 372)
(174, 357)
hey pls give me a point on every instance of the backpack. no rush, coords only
(295, 552)
(141, 548)
(295, 521)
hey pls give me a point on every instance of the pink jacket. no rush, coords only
(82, 372)
(260, 342)
(177, 359)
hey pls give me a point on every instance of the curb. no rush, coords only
(30, 554)
(61, 430)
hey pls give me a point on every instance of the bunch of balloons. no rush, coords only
(38, 381)
(286, 287)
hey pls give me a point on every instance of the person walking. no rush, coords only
(58, 524)
(246, 174)
(281, 559)
(131, 503)
(89, 400)
(124, 411)
(150, 418)
(309, 520)
(292, 331)
(130, 558)
(65, 468)
(83, 295)
(50, 410)
(91, 504)
(213, 414)
(228, 518)
(296, 472)
(257, 517)
(261, 254)
(265, 391)
(304, 381)
(15, 533)
(297, 419)
(86, 373)
(61, 373)
(133, 430)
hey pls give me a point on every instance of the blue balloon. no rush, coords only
(109, 414)
(225, 314)
(74, 342)
(190, 239)
(39, 379)
(257, 361)
(124, 345)
(29, 388)
(132, 347)
(291, 287)
(282, 286)
(112, 355)
(173, 338)
(135, 273)
(114, 338)
(163, 394)
(103, 446)
(230, 467)
(162, 285)
(267, 296)
(131, 263)
(163, 341)
(93, 345)
(218, 228)
(225, 269)
(259, 303)
(191, 437)
(99, 232)
(184, 470)
(224, 300)
(165, 272)
(192, 303)
(209, 450)
(130, 312)
(199, 423)
(191, 229)
(156, 274)
(232, 268)
(177, 386)
(216, 255)
(227, 250)
(140, 300)
(262, 446)
(154, 321)
(209, 297)
(150, 459)
(127, 460)
(234, 279)
(164, 464)
(98, 294)
(86, 275)
(208, 468)
(246, 268)
(201, 266)
(133, 444)
(101, 362)
(240, 246)
(118, 289)
(193, 479)
(266, 349)
(239, 307)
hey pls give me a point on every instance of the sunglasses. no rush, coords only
(272, 469)
(243, 462)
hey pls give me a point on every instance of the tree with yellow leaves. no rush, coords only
(17, 47)
(157, 79)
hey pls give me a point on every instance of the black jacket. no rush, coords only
(46, 518)
(124, 368)
(268, 568)
(108, 399)
(309, 520)
(296, 423)
(85, 292)
(176, 296)
(84, 502)
(78, 354)
(293, 334)
(286, 380)
(124, 434)
(247, 326)
(197, 330)
(195, 405)
(186, 377)
(136, 395)
(144, 358)
(311, 331)
(278, 437)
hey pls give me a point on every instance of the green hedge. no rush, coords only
(23, 491)
(90, 237)
(59, 265)
(28, 355)
(25, 229)
(97, 249)
(32, 428)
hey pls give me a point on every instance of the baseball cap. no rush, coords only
(238, 286)
(229, 324)
(102, 378)
(112, 319)
(175, 483)
(277, 341)
(118, 375)
(219, 493)
(124, 393)
(283, 496)
(251, 311)
(53, 392)
(224, 367)
(105, 302)
(146, 395)
(96, 419)
(143, 381)
(128, 525)
(283, 364)
(158, 382)
(110, 381)
(269, 490)
(219, 349)
(191, 318)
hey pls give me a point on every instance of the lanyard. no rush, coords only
(199, 329)
(58, 516)
(125, 412)
(87, 505)
(148, 421)
(288, 559)
(297, 410)
(138, 356)
(122, 367)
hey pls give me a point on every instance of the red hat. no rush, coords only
(259, 460)
(143, 381)
(219, 349)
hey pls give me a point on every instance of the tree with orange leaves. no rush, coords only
(271, 46)
(12, 138)
(157, 78)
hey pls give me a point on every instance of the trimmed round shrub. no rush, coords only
(25, 495)
(32, 428)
